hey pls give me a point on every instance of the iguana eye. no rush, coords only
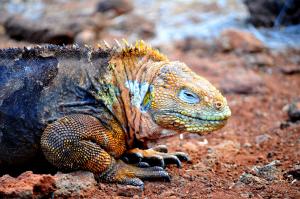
(188, 96)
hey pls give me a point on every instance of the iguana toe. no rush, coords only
(182, 156)
(172, 159)
(154, 173)
(134, 182)
(132, 175)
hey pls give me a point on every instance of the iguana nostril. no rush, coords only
(218, 105)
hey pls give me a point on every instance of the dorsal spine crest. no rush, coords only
(140, 49)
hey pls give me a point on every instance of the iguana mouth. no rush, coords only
(190, 123)
(200, 125)
(196, 121)
(218, 118)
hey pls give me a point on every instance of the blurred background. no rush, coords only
(249, 49)
(274, 22)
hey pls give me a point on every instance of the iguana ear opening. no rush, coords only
(146, 103)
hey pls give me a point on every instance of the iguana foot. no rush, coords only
(156, 156)
(132, 175)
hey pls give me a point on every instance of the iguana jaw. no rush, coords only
(191, 123)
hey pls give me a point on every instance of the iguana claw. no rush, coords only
(156, 156)
(143, 164)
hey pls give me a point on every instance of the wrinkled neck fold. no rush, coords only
(133, 77)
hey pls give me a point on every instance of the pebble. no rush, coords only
(294, 111)
(269, 172)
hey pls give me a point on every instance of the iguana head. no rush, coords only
(181, 100)
(167, 97)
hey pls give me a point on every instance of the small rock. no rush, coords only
(290, 70)
(233, 39)
(129, 191)
(260, 176)
(249, 179)
(73, 184)
(294, 172)
(269, 171)
(242, 81)
(294, 111)
(262, 138)
(27, 185)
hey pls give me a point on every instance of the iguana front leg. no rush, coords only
(155, 156)
(81, 142)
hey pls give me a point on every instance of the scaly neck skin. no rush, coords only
(133, 77)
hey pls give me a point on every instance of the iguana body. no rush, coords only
(86, 108)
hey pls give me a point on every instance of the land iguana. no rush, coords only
(88, 108)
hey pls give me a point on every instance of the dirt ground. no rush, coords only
(256, 155)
